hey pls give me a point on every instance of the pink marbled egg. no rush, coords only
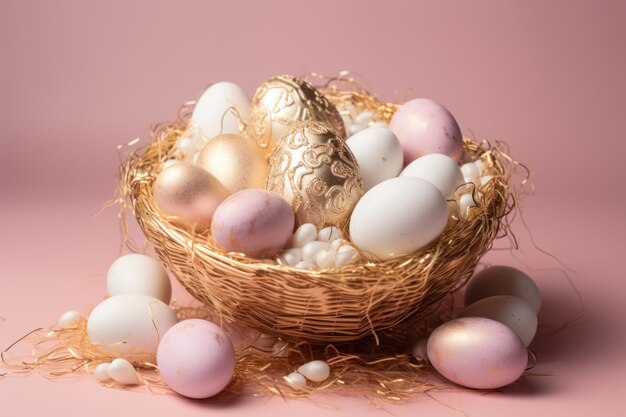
(424, 126)
(254, 222)
(477, 353)
(196, 358)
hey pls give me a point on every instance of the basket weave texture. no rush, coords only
(331, 306)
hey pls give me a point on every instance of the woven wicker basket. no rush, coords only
(331, 306)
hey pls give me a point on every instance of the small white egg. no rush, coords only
(440, 170)
(139, 274)
(69, 319)
(363, 118)
(304, 234)
(296, 380)
(420, 351)
(213, 112)
(466, 201)
(481, 166)
(306, 265)
(325, 259)
(101, 373)
(328, 234)
(280, 349)
(513, 312)
(121, 371)
(311, 249)
(335, 244)
(346, 254)
(292, 256)
(503, 280)
(470, 171)
(316, 371)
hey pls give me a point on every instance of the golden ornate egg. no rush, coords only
(315, 171)
(283, 100)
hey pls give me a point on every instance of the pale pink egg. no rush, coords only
(477, 353)
(424, 126)
(255, 222)
(196, 358)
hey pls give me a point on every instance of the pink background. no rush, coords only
(78, 78)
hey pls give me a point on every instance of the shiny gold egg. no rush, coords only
(314, 170)
(283, 100)
(236, 161)
(188, 193)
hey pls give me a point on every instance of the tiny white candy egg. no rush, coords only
(123, 372)
(485, 179)
(280, 349)
(420, 350)
(311, 249)
(480, 165)
(292, 256)
(470, 171)
(304, 234)
(328, 234)
(306, 265)
(101, 373)
(325, 259)
(466, 201)
(296, 380)
(346, 254)
(363, 117)
(69, 319)
(335, 244)
(316, 371)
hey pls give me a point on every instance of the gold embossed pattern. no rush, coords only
(283, 100)
(313, 169)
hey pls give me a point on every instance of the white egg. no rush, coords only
(503, 280)
(101, 373)
(440, 170)
(329, 234)
(130, 325)
(398, 217)
(213, 112)
(139, 274)
(335, 244)
(304, 234)
(513, 312)
(311, 249)
(296, 380)
(325, 259)
(292, 256)
(306, 265)
(378, 153)
(69, 319)
(122, 372)
(470, 171)
(466, 201)
(346, 254)
(316, 371)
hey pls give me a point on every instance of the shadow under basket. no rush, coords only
(329, 306)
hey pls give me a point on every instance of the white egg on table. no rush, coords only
(378, 153)
(139, 274)
(220, 108)
(398, 217)
(130, 325)
(513, 312)
(440, 170)
(101, 373)
(503, 280)
(69, 319)
(122, 372)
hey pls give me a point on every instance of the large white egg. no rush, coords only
(212, 112)
(139, 274)
(513, 312)
(130, 326)
(398, 216)
(379, 154)
(440, 170)
(503, 280)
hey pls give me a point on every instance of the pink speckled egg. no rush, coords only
(196, 358)
(477, 353)
(255, 222)
(424, 126)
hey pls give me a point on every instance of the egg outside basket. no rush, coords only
(330, 306)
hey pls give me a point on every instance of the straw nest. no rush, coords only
(330, 306)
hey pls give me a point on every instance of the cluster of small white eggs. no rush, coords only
(473, 172)
(319, 250)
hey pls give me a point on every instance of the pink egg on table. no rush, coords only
(255, 222)
(196, 358)
(477, 353)
(424, 126)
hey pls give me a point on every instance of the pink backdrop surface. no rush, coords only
(78, 78)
